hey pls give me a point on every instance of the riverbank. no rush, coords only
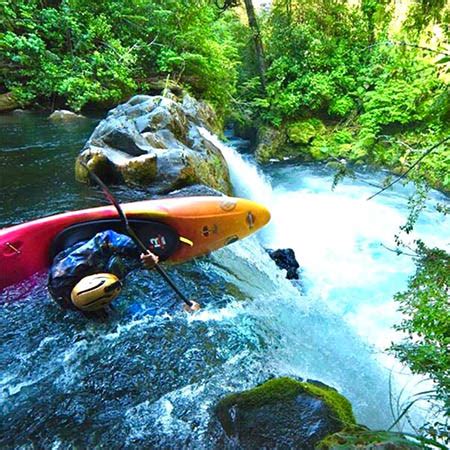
(315, 140)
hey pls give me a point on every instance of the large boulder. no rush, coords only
(156, 142)
(283, 413)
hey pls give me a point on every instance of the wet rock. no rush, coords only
(157, 142)
(201, 113)
(64, 115)
(283, 413)
(271, 144)
(199, 190)
(8, 102)
(285, 259)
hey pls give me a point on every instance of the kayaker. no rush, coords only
(88, 276)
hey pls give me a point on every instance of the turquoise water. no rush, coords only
(150, 375)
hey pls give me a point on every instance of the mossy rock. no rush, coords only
(361, 438)
(157, 143)
(284, 413)
(212, 172)
(8, 102)
(303, 132)
(271, 144)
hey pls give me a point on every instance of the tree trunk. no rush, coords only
(259, 49)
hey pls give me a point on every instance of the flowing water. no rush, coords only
(150, 376)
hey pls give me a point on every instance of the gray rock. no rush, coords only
(63, 115)
(156, 142)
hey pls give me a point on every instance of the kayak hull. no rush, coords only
(203, 224)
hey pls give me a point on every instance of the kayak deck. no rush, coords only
(202, 224)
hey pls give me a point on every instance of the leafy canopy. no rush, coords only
(86, 51)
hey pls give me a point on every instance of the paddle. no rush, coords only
(190, 305)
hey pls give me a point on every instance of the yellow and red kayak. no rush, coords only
(176, 229)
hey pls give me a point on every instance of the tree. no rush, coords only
(257, 41)
(256, 34)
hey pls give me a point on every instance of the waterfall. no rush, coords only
(247, 180)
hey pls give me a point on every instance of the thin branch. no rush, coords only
(407, 44)
(398, 251)
(403, 175)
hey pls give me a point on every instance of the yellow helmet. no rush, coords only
(96, 291)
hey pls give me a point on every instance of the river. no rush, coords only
(150, 376)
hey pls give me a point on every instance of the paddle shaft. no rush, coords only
(132, 233)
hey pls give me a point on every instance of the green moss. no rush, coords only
(211, 171)
(303, 132)
(360, 437)
(8, 102)
(285, 389)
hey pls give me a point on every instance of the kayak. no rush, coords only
(176, 229)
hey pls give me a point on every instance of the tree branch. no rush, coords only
(403, 175)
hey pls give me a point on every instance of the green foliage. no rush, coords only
(304, 131)
(101, 52)
(313, 64)
(426, 324)
(337, 63)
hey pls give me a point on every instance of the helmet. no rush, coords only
(96, 291)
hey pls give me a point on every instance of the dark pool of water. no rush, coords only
(37, 166)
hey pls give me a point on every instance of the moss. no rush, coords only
(212, 172)
(358, 437)
(285, 389)
(303, 132)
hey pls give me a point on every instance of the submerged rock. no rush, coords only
(64, 115)
(285, 259)
(283, 413)
(157, 142)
